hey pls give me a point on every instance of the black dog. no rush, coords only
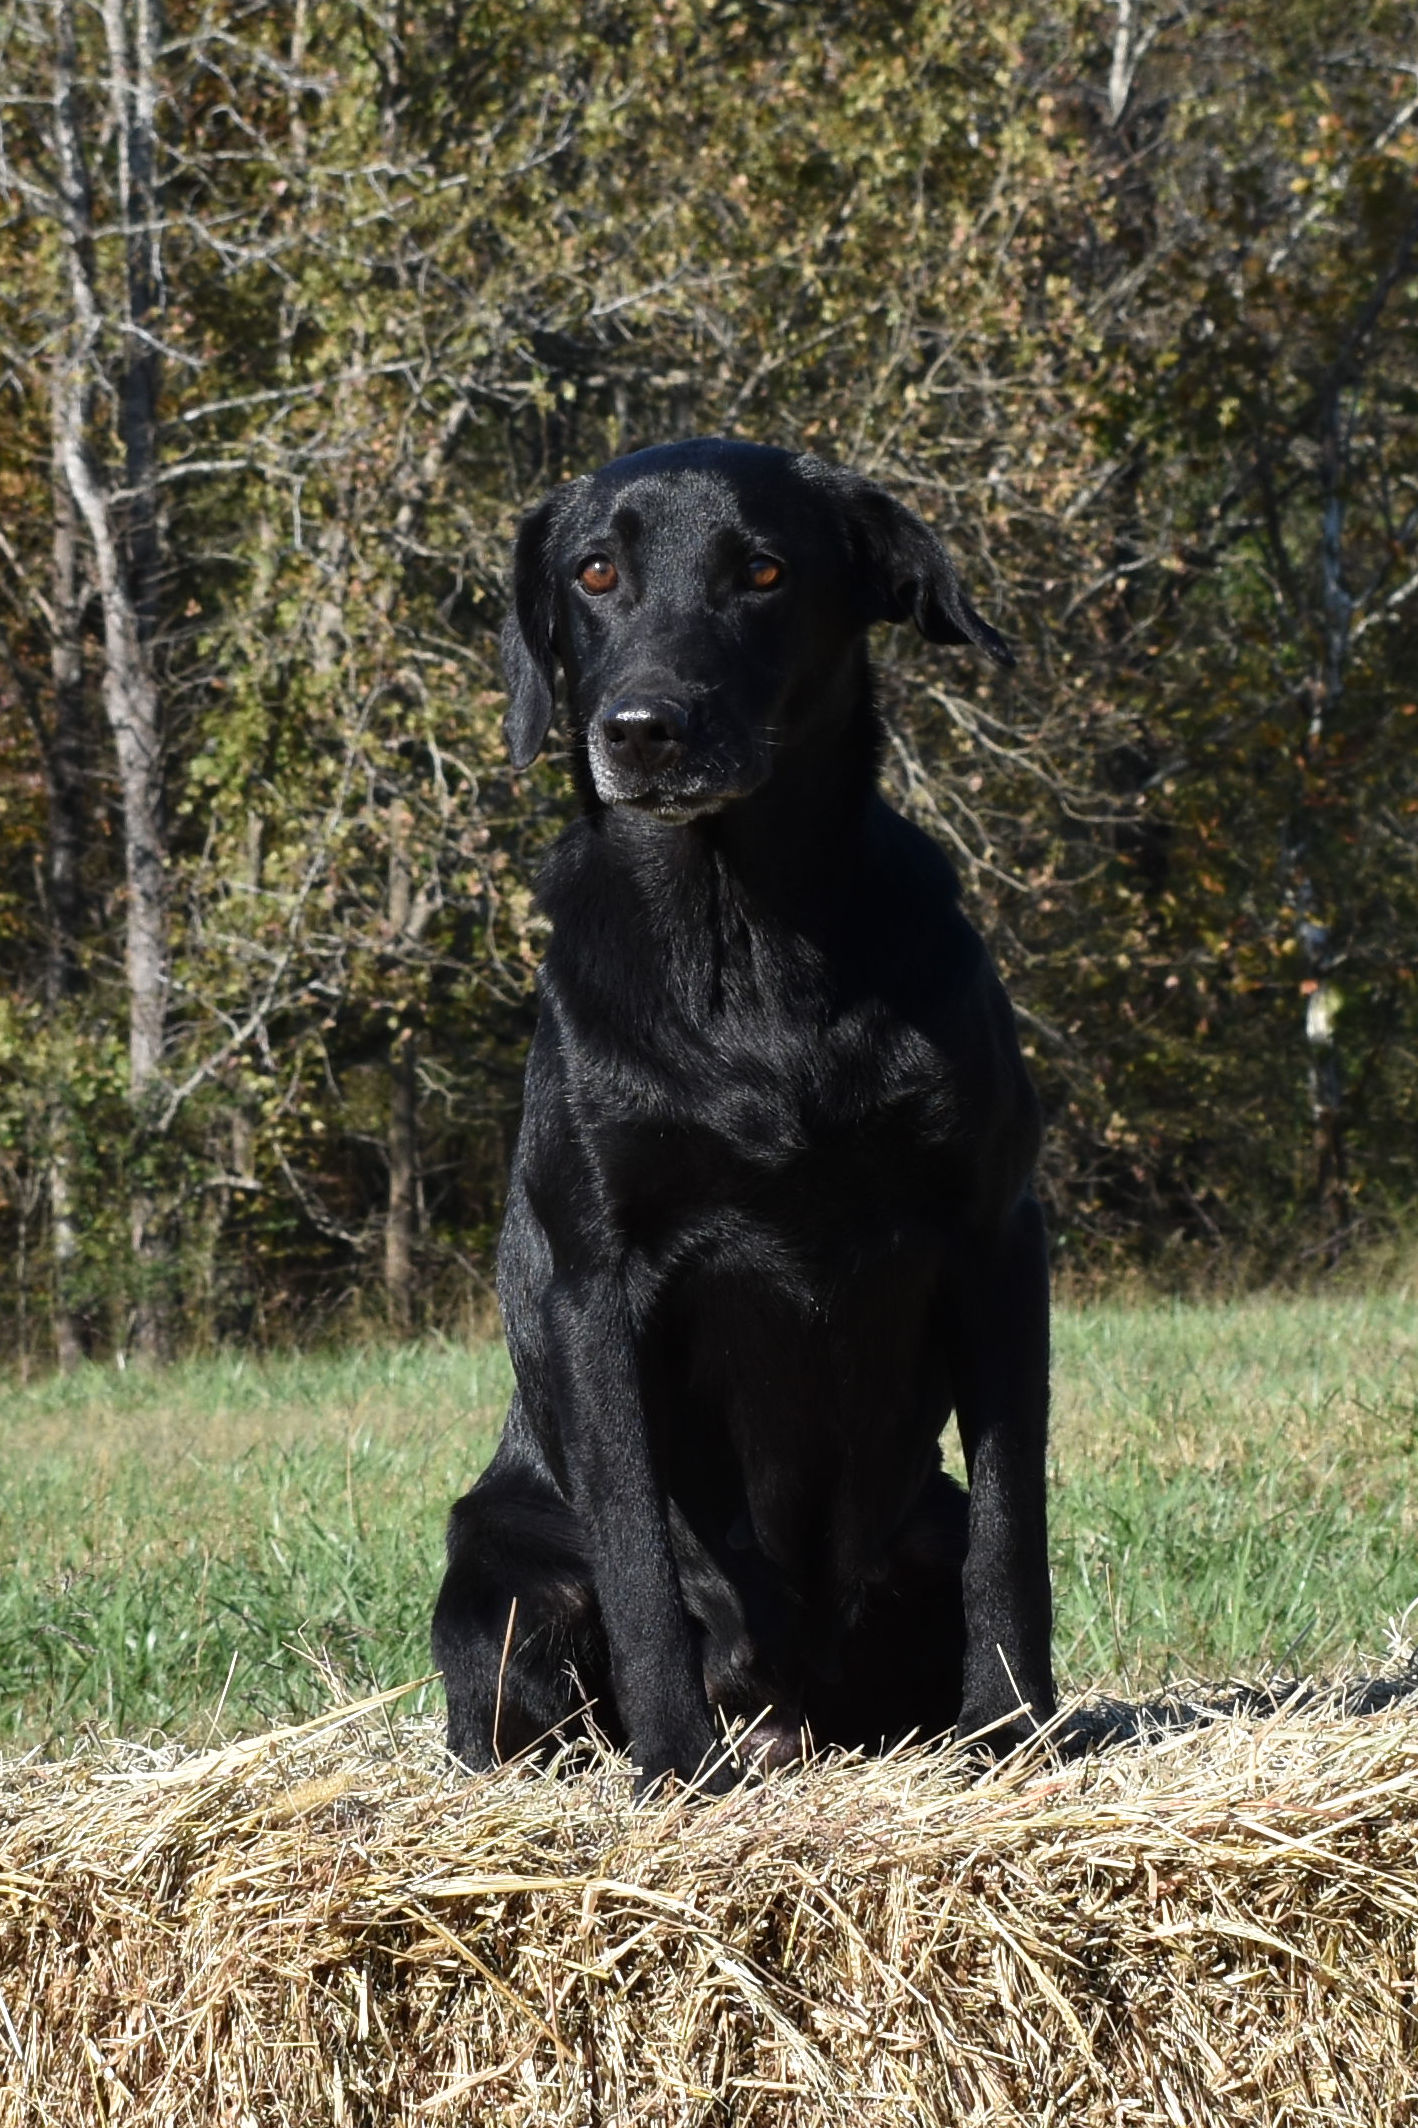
(769, 1216)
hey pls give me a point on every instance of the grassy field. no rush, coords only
(220, 1547)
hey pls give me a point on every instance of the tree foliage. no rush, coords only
(1121, 297)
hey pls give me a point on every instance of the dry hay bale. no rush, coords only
(1208, 1923)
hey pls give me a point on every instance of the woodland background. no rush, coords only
(302, 304)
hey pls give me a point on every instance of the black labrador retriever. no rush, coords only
(769, 1217)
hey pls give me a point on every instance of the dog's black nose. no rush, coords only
(646, 737)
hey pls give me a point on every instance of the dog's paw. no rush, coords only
(770, 1743)
(714, 1774)
(988, 1734)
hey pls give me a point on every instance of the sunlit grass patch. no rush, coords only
(1235, 1488)
(222, 1542)
(212, 1549)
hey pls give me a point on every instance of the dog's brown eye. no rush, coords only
(598, 574)
(763, 571)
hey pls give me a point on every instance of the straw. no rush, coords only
(1212, 1920)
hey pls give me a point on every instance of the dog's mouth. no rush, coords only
(676, 809)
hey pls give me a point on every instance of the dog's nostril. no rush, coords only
(624, 731)
(644, 730)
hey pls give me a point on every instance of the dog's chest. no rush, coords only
(795, 1372)
(726, 1074)
(746, 1110)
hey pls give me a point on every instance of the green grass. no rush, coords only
(1235, 1488)
(216, 1548)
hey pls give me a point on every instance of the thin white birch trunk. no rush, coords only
(125, 554)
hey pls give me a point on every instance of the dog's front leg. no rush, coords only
(656, 1672)
(1000, 1367)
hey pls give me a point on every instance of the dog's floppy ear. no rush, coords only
(528, 646)
(903, 571)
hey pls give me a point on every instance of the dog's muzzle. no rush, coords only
(652, 753)
(641, 757)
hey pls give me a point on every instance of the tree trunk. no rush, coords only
(1322, 994)
(64, 741)
(64, 1247)
(125, 559)
(134, 88)
(399, 1231)
(400, 1224)
(1327, 1111)
(26, 1187)
(64, 771)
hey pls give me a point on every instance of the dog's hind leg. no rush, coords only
(739, 1682)
(517, 1633)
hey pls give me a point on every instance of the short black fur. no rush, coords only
(770, 1217)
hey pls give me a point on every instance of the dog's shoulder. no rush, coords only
(908, 857)
(940, 981)
(913, 922)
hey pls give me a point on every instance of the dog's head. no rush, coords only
(700, 599)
